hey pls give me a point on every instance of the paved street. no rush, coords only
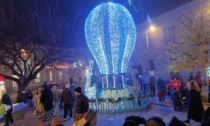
(162, 110)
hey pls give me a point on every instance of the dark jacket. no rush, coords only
(161, 84)
(29, 95)
(177, 98)
(206, 118)
(185, 95)
(196, 109)
(23, 98)
(82, 104)
(67, 96)
(152, 81)
(46, 99)
(72, 88)
(6, 100)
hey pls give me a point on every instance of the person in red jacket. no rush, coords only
(175, 84)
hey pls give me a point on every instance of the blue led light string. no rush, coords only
(130, 39)
(122, 39)
(111, 34)
(94, 41)
(114, 33)
(107, 36)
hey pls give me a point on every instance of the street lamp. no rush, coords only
(152, 28)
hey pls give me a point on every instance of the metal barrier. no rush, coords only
(120, 105)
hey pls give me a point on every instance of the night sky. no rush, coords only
(152, 8)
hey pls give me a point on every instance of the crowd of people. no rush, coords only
(50, 98)
(183, 93)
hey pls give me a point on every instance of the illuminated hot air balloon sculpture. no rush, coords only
(111, 35)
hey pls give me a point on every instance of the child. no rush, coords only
(176, 97)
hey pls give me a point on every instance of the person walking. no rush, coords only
(5, 99)
(82, 104)
(56, 100)
(67, 99)
(46, 100)
(152, 83)
(196, 109)
(161, 89)
(38, 105)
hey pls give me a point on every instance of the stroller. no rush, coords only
(90, 121)
(92, 118)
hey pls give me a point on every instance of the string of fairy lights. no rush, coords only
(110, 34)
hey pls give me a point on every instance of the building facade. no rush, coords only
(59, 75)
(153, 39)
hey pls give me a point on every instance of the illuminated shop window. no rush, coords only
(50, 75)
(60, 75)
(38, 78)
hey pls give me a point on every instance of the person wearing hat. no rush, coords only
(46, 100)
(67, 98)
(82, 104)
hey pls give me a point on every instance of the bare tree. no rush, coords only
(190, 50)
(33, 34)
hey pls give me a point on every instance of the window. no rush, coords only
(169, 34)
(149, 39)
(165, 33)
(14, 84)
(50, 76)
(38, 78)
(60, 75)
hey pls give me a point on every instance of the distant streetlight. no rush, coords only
(152, 28)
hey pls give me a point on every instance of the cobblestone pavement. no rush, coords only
(162, 110)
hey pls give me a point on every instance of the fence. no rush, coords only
(119, 105)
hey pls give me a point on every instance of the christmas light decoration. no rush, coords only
(110, 34)
(89, 91)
